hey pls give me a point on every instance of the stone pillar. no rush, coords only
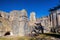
(32, 17)
(58, 17)
(14, 21)
(23, 30)
(51, 24)
(55, 18)
(52, 19)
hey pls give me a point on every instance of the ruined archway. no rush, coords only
(7, 33)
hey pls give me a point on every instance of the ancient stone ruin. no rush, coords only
(14, 23)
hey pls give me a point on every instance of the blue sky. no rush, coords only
(41, 7)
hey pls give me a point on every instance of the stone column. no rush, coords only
(58, 17)
(23, 28)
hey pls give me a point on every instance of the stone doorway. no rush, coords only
(7, 33)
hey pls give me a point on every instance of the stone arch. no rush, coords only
(0, 15)
(7, 33)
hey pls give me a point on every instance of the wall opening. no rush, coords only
(7, 33)
(0, 15)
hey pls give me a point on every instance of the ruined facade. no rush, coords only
(16, 23)
(55, 16)
(4, 25)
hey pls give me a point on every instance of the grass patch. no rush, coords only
(45, 36)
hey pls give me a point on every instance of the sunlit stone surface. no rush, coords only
(23, 30)
(16, 22)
